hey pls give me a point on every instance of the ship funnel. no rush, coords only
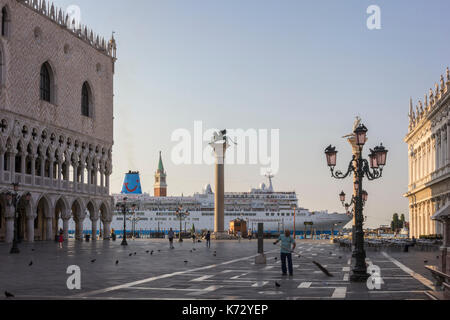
(132, 183)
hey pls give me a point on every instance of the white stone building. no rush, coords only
(429, 159)
(56, 121)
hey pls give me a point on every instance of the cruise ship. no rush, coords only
(259, 205)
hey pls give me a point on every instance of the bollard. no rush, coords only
(261, 258)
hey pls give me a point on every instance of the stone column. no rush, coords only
(66, 227)
(52, 160)
(82, 167)
(2, 165)
(75, 176)
(59, 173)
(219, 195)
(102, 183)
(22, 162)
(107, 181)
(12, 166)
(42, 171)
(33, 169)
(94, 228)
(79, 228)
(30, 229)
(106, 229)
(89, 180)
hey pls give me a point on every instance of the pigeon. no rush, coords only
(185, 261)
(323, 269)
(340, 257)
(135, 253)
(117, 262)
(32, 249)
(425, 261)
(130, 254)
(437, 257)
(193, 249)
(93, 260)
(190, 251)
(147, 251)
(9, 294)
(276, 258)
(215, 255)
(30, 264)
(277, 284)
(159, 250)
(151, 253)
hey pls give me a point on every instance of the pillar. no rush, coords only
(22, 165)
(2, 165)
(75, 177)
(30, 229)
(59, 173)
(12, 165)
(106, 230)
(50, 171)
(219, 195)
(42, 171)
(107, 182)
(79, 229)
(94, 229)
(66, 228)
(448, 143)
(33, 169)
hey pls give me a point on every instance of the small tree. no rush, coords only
(395, 222)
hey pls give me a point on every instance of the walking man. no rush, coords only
(208, 239)
(171, 235)
(286, 251)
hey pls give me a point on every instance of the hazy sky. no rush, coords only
(304, 67)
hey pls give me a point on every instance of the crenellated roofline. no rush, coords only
(431, 102)
(82, 32)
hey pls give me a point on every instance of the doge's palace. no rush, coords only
(56, 122)
(428, 139)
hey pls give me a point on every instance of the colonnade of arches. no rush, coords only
(42, 217)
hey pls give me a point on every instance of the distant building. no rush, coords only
(428, 139)
(160, 187)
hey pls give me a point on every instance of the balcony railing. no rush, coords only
(52, 184)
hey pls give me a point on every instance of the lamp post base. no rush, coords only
(124, 242)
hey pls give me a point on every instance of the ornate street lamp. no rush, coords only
(181, 215)
(124, 208)
(359, 167)
(12, 199)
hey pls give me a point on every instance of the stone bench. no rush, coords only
(442, 280)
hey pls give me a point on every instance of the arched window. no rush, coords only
(86, 100)
(45, 83)
(5, 20)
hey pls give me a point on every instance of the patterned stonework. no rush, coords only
(62, 158)
(429, 158)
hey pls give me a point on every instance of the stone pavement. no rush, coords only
(230, 273)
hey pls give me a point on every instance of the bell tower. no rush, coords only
(160, 187)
